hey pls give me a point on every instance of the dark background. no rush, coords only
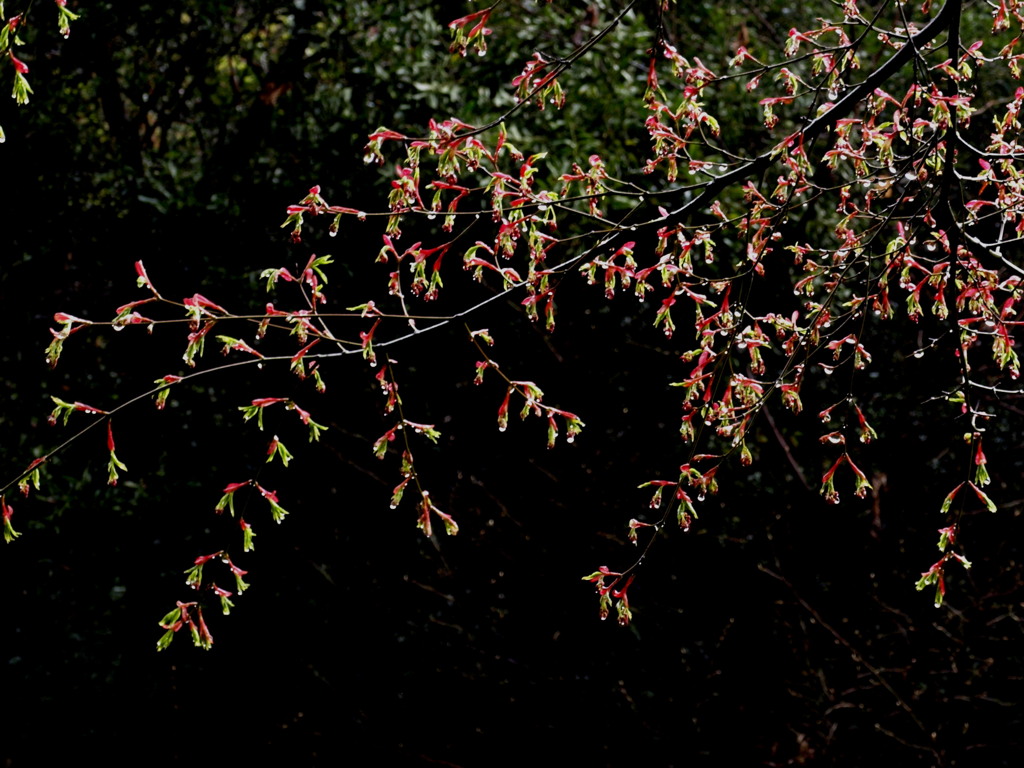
(778, 631)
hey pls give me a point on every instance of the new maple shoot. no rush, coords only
(876, 197)
(11, 39)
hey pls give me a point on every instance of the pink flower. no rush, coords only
(19, 65)
(262, 402)
(198, 300)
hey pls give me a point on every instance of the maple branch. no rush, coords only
(561, 65)
(853, 96)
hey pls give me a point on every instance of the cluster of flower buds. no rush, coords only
(469, 31)
(612, 592)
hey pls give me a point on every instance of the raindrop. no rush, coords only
(701, 497)
(835, 439)
(502, 429)
(431, 216)
(118, 326)
(569, 439)
(828, 371)
(394, 506)
(919, 354)
(333, 233)
(723, 168)
(930, 246)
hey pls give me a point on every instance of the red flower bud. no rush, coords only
(19, 65)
